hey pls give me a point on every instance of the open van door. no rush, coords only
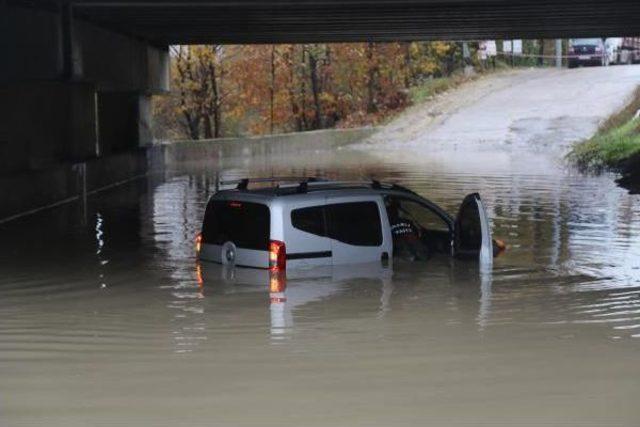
(472, 233)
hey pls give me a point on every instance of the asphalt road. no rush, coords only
(533, 110)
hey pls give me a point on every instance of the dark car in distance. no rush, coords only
(586, 52)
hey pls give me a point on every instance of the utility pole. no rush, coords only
(558, 53)
(466, 58)
(272, 86)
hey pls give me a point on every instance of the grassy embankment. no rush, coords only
(616, 145)
(430, 87)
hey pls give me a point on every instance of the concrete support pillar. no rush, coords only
(559, 53)
(145, 121)
(70, 48)
(46, 123)
(124, 121)
(4, 18)
(82, 125)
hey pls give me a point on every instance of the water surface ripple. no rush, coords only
(107, 319)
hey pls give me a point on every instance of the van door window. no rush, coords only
(356, 223)
(310, 220)
(422, 216)
(417, 229)
(245, 224)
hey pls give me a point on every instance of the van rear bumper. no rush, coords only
(241, 257)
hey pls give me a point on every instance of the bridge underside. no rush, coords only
(77, 75)
(256, 21)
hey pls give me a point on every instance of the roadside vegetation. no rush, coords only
(220, 90)
(615, 145)
(434, 86)
(232, 90)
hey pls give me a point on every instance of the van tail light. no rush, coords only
(198, 242)
(277, 256)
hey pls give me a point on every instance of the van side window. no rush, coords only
(422, 216)
(356, 223)
(309, 220)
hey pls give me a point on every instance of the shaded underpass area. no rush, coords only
(79, 76)
(108, 317)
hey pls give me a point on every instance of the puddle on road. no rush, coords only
(112, 322)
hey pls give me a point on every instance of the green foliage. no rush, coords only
(617, 140)
(610, 149)
(428, 88)
(623, 116)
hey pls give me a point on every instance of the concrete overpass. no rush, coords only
(164, 22)
(77, 76)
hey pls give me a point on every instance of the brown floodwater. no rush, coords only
(108, 320)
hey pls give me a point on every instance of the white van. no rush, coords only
(313, 223)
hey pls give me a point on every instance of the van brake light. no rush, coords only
(277, 256)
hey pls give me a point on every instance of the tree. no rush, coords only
(253, 89)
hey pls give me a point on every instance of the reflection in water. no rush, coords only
(99, 247)
(484, 310)
(178, 342)
(281, 318)
(385, 298)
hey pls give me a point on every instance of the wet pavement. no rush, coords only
(536, 110)
(107, 319)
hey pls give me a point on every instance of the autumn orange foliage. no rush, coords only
(228, 90)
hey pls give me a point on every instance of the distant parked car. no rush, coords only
(587, 52)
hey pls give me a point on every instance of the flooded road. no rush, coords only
(535, 109)
(108, 320)
(111, 322)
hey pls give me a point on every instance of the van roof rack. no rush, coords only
(243, 183)
(301, 185)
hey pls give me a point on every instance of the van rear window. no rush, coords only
(245, 224)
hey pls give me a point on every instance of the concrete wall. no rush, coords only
(71, 94)
(44, 123)
(118, 121)
(119, 63)
(23, 193)
(179, 152)
(69, 89)
(34, 190)
(75, 112)
(110, 60)
(35, 50)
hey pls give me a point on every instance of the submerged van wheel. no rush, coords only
(228, 253)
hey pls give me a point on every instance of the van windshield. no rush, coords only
(245, 224)
(585, 42)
